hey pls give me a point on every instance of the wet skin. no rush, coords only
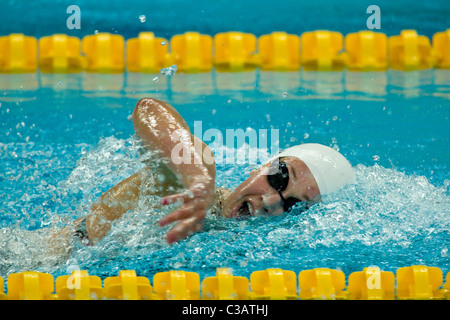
(265, 200)
(155, 123)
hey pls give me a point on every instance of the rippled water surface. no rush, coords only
(66, 139)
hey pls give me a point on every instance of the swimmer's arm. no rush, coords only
(162, 128)
(111, 206)
(124, 197)
(118, 200)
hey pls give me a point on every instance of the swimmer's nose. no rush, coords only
(272, 204)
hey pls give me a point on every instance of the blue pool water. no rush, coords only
(65, 139)
(169, 17)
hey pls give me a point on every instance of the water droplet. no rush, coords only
(190, 194)
(285, 94)
(142, 18)
(335, 118)
(156, 79)
(170, 71)
(375, 157)
(161, 178)
(306, 135)
(96, 31)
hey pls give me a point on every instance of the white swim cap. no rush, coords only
(330, 169)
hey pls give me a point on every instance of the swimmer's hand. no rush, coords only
(189, 217)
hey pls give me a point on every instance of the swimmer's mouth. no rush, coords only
(245, 210)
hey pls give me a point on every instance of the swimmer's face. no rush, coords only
(255, 196)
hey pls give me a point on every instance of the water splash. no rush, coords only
(387, 219)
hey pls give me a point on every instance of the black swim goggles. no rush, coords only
(279, 180)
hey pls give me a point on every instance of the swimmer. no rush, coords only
(298, 175)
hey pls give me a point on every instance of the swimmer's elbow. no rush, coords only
(143, 106)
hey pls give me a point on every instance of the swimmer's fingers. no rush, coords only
(196, 191)
(189, 216)
(173, 198)
(190, 220)
(180, 197)
(183, 229)
(182, 213)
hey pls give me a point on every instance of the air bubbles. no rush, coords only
(375, 157)
(284, 94)
(142, 18)
(163, 43)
